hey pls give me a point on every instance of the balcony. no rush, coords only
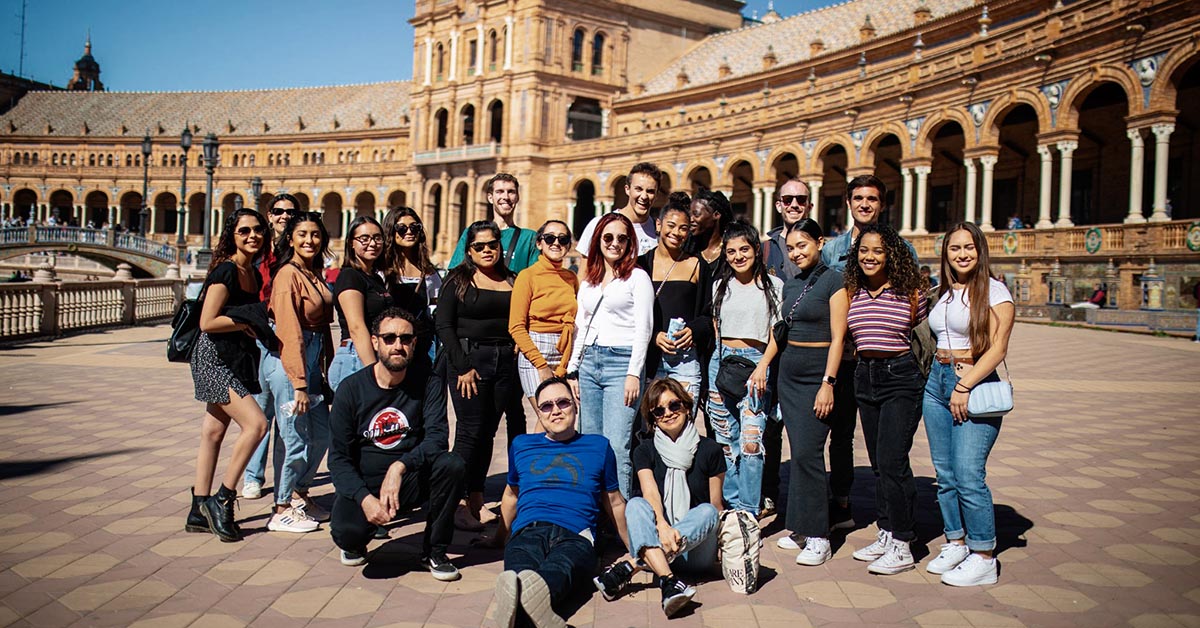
(478, 152)
(1161, 240)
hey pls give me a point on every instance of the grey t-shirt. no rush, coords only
(744, 312)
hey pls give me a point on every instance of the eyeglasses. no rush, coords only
(672, 407)
(562, 240)
(245, 231)
(390, 339)
(369, 239)
(478, 247)
(621, 238)
(403, 229)
(563, 403)
(787, 199)
(279, 211)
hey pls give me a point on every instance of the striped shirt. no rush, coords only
(882, 323)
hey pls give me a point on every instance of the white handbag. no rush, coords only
(989, 399)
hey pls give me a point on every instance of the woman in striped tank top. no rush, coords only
(887, 299)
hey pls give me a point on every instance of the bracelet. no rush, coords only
(968, 388)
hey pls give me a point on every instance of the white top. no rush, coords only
(624, 319)
(951, 315)
(744, 313)
(647, 236)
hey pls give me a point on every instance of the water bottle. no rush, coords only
(675, 326)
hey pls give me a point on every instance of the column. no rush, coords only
(922, 184)
(428, 60)
(1137, 167)
(1162, 147)
(508, 36)
(989, 168)
(757, 215)
(906, 217)
(1044, 183)
(479, 48)
(969, 211)
(849, 215)
(347, 218)
(150, 228)
(814, 191)
(112, 216)
(454, 35)
(1065, 150)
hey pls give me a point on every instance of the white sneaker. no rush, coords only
(791, 542)
(973, 571)
(951, 555)
(310, 508)
(816, 552)
(897, 559)
(292, 520)
(876, 549)
(251, 490)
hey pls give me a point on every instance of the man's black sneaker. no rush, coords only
(675, 594)
(840, 517)
(441, 567)
(382, 533)
(614, 580)
(353, 559)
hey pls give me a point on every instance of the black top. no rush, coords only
(372, 427)
(236, 349)
(481, 316)
(708, 463)
(810, 321)
(680, 298)
(374, 289)
(226, 274)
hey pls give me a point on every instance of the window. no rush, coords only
(468, 125)
(577, 51)
(271, 160)
(441, 120)
(598, 54)
(473, 52)
(493, 50)
(251, 160)
(92, 160)
(496, 127)
(548, 50)
(584, 119)
(164, 161)
(440, 60)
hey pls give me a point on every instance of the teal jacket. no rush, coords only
(523, 257)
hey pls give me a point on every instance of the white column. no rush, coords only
(969, 211)
(149, 228)
(757, 215)
(453, 54)
(1064, 183)
(428, 60)
(479, 48)
(989, 168)
(508, 37)
(1162, 147)
(1044, 183)
(814, 191)
(922, 185)
(906, 217)
(1137, 167)
(849, 214)
(112, 216)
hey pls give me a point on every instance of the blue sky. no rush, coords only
(170, 45)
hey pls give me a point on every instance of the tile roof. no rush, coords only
(103, 114)
(837, 26)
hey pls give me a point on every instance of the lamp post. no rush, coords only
(185, 142)
(211, 157)
(256, 191)
(145, 213)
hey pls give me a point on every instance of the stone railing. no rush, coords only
(92, 237)
(1162, 240)
(33, 310)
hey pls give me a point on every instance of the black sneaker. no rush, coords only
(441, 567)
(382, 533)
(353, 559)
(840, 517)
(675, 594)
(613, 580)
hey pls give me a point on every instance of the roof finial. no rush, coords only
(87, 45)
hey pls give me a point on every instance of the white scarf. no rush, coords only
(678, 455)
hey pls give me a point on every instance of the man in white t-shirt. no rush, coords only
(641, 186)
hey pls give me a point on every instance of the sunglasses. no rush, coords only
(621, 238)
(245, 231)
(403, 229)
(564, 404)
(672, 407)
(368, 239)
(787, 199)
(279, 211)
(390, 339)
(479, 247)
(562, 240)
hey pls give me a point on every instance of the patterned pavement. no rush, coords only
(1096, 477)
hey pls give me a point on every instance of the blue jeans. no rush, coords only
(960, 454)
(683, 367)
(698, 529)
(305, 437)
(602, 408)
(741, 433)
(562, 558)
(345, 363)
(256, 469)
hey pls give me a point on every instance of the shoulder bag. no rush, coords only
(512, 247)
(991, 398)
(185, 328)
(733, 371)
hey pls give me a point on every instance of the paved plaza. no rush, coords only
(1096, 478)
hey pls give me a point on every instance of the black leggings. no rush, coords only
(477, 419)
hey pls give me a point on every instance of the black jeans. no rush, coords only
(478, 418)
(889, 392)
(561, 557)
(440, 482)
(841, 431)
(801, 369)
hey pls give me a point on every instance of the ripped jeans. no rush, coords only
(740, 433)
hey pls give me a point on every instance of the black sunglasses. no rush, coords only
(620, 237)
(787, 199)
(279, 211)
(660, 411)
(478, 247)
(562, 240)
(403, 229)
(245, 231)
(564, 404)
(390, 339)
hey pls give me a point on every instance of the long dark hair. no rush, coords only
(463, 275)
(350, 258)
(393, 256)
(762, 279)
(595, 257)
(978, 288)
(225, 246)
(719, 204)
(900, 267)
(283, 248)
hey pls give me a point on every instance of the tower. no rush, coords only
(86, 77)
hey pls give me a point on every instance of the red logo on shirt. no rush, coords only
(388, 428)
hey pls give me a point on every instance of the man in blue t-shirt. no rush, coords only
(557, 483)
(520, 250)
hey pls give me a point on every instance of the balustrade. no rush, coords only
(1143, 239)
(29, 310)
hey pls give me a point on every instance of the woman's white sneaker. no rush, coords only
(292, 520)
(972, 572)
(898, 558)
(951, 555)
(816, 552)
(883, 541)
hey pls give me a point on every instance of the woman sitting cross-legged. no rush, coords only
(674, 520)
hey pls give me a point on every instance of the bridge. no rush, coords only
(147, 257)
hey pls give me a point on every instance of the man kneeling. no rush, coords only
(388, 451)
(555, 484)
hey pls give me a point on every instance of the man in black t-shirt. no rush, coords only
(389, 446)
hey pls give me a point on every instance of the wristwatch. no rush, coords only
(829, 379)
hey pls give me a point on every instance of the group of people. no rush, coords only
(687, 314)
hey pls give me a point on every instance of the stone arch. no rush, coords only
(166, 212)
(1163, 91)
(397, 198)
(585, 207)
(364, 204)
(700, 175)
(741, 177)
(935, 122)
(617, 189)
(829, 141)
(1002, 106)
(1082, 85)
(751, 160)
(95, 207)
(866, 156)
(131, 204)
(495, 112)
(331, 213)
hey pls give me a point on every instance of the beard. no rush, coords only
(395, 364)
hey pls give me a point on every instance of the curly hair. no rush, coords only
(899, 266)
(225, 246)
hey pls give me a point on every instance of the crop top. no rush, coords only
(883, 323)
(481, 316)
(744, 313)
(950, 317)
(810, 322)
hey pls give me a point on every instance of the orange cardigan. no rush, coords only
(543, 300)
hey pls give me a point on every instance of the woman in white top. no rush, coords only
(973, 318)
(745, 307)
(612, 333)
